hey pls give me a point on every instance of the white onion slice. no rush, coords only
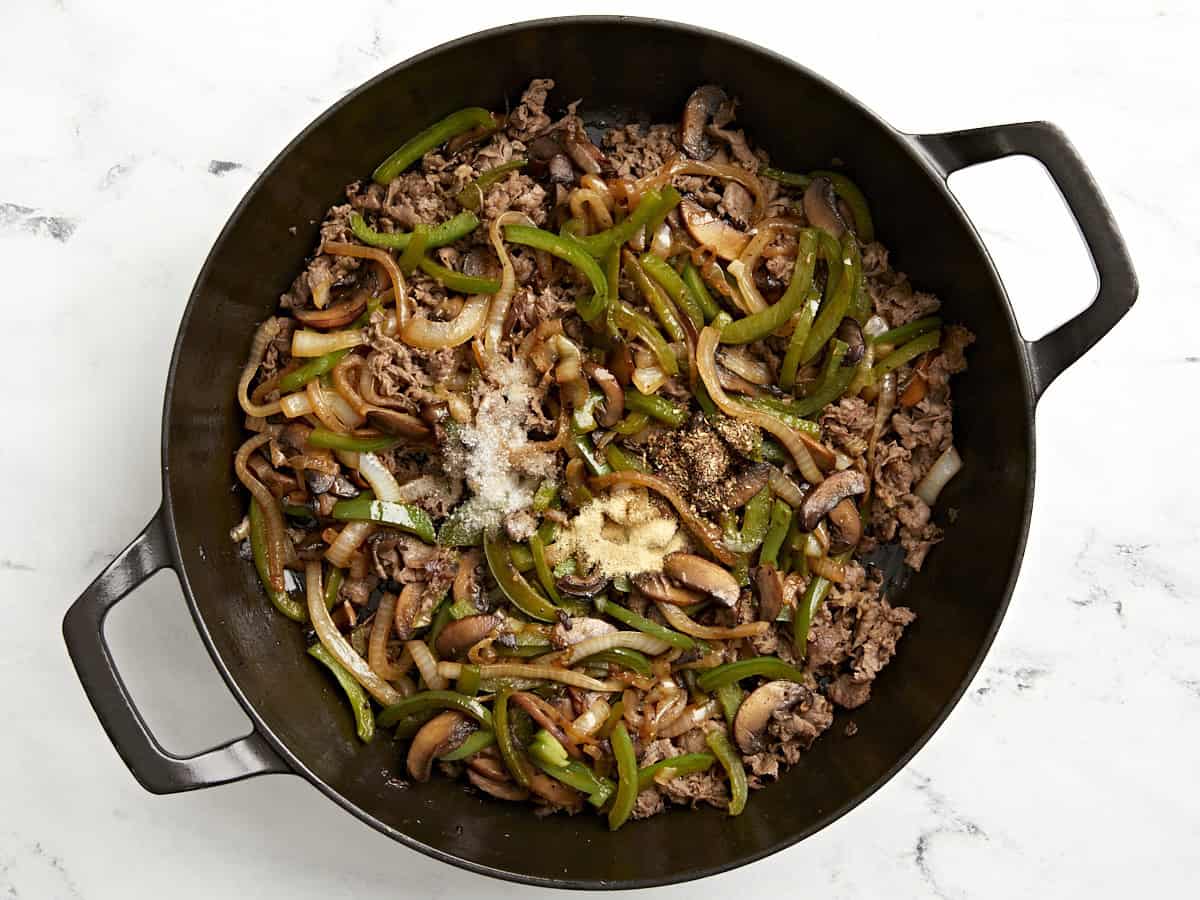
(945, 468)
(382, 481)
(317, 343)
(631, 640)
(427, 666)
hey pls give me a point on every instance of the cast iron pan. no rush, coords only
(624, 69)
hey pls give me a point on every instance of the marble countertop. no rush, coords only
(130, 132)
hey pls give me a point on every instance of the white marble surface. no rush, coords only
(130, 130)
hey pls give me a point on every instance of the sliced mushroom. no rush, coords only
(463, 633)
(501, 790)
(770, 592)
(343, 487)
(620, 363)
(658, 586)
(753, 716)
(846, 527)
(439, 735)
(828, 494)
(704, 104)
(560, 170)
(398, 423)
(582, 151)
(318, 482)
(466, 582)
(541, 150)
(553, 791)
(704, 576)
(851, 332)
(583, 585)
(572, 631)
(487, 763)
(614, 397)
(746, 485)
(341, 313)
(713, 232)
(820, 207)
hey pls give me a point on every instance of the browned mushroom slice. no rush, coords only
(501, 790)
(487, 763)
(756, 711)
(846, 530)
(614, 397)
(850, 332)
(398, 423)
(460, 635)
(582, 585)
(820, 207)
(658, 586)
(701, 575)
(714, 233)
(828, 494)
(573, 631)
(704, 104)
(582, 151)
(770, 592)
(746, 485)
(439, 735)
(341, 313)
(554, 792)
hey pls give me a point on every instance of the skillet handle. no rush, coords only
(83, 628)
(1052, 354)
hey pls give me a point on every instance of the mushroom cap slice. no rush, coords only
(713, 232)
(846, 530)
(572, 631)
(828, 494)
(440, 734)
(753, 716)
(658, 586)
(501, 790)
(851, 332)
(705, 103)
(770, 592)
(459, 635)
(821, 207)
(583, 585)
(392, 421)
(701, 575)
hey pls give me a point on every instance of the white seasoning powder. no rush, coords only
(623, 533)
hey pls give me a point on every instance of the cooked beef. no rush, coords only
(635, 151)
(847, 425)
(736, 203)
(529, 117)
(896, 300)
(517, 192)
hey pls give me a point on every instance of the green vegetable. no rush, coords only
(441, 618)
(630, 320)
(791, 179)
(333, 584)
(655, 298)
(468, 680)
(754, 524)
(546, 748)
(773, 452)
(461, 529)
(547, 493)
(433, 136)
(670, 281)
(314, 368)
(766, 666)
(620, 461)
(814, 596)
(404, 516)
(521, 557)
(704, 400)
(471, 197)
(627, 777)
(583, 417)
(905, 354)
(803, 327)
(439, 235)
(632, 423)
(624, 658)
(628, 617)
(331, 440)
(364, 719)
(832, 385)
(907, 332)
(730, 696)
(835, 308)
(764, 323)
(478, 740)
(684, 764)
(848, 191)
(281, 600)
(576, 775)
(569, 250)
(596, 463)
(732, 761)
(457, 281)
(512, 583)
(666, 411)
(787, 412)
(653, 205)
(415, 251)
(511, 752)
(427, 701)
(781, 521)
(699, 291)
(537, 549)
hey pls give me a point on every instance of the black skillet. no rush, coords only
(624, 69)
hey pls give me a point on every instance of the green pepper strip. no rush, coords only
(415, 251)
(837, 306)
(569, 250)
(545, 748)
(512, 583)
(537, 547)
(457, 281)
(767, 666)
(653, 205)
(576, 775)
(333, 584)
(478, 740)
(521, 557)
(281, 600)
(297, 378)
(754, 524)
(404, 516)
(773, 452)
(629, 319)
(632, 423)
(669, 280)
(642, 624)
(426, 701)
(331, 440)
(785, 411)
(441, 618)
(729, 758)
(828, 391)
(512, 754)
(656, 407)
(460, 529)
(364, 719)
(627, 777)
(699, 291)
(833, 362)
(803, 327)
(655, 298)
(596, 463)
(468, 680)
(583, 417)
(615, 714)
(684, 764)
(433, 136)
(907, 332)
(781, 521)
(624, 658)
(814, 596)
(855, 199)
(704, 400)
(730, 697)
(906, 353)
(766, 322)
(471, 197)
(791, 179)
(547, 493)
(620, 461)
(439, 235)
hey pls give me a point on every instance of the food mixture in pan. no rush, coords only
(567, 447)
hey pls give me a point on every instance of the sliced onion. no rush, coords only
(278, 543)
(680, 621)
(263, 335)
(693, 717)
(427, 666)
(322, 408)
(593, 717)
(348, 458)
(493, 330)
(631, 640)
(337, 645)
(345, 382)
(827, 568)
(534, 673)
(784, 488)
(648, 379)
(381, 630)
(737, 360)
(660, 244)
(875, 326)
(885, 403)
(296, 405)
(751, 300)
(581, 200)
(429, 335)
(792, 440)
(351, 537)
(380, 478)
(945, 468)
(307, 343)
(728, 171)
(691, 521)
(399, 287)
